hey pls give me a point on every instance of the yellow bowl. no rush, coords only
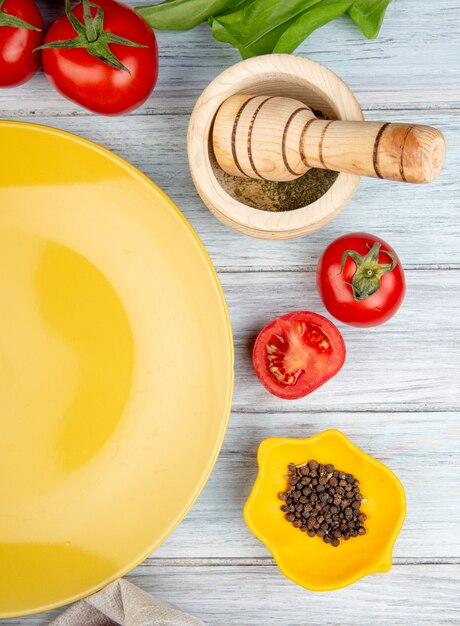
(310, 562)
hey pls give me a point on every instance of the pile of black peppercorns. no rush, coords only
(323, 501)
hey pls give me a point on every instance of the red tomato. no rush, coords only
(297, 353)
(93, 83)
(361, 280)
(18, 61)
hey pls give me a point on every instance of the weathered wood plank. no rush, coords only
(411, 362)
(419, 221)
(413, 63)
(259, 594)
(409, 443)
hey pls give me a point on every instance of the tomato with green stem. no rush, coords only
(361, 280)
(21, 32)
(297, 353)
(101, 55)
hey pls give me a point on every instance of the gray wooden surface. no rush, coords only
(398, 394)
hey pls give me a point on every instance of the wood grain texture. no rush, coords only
(240, 594)
(276, 75)
(420, 223)
(406, 442)
(423, 34)
(281, 139)
(397, 396)
(412, 361)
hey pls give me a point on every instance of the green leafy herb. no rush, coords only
(262, 26)
(368, 15)
(307, 22)
(184, 14)
(257, 26)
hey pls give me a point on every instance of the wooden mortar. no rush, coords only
(271, 75)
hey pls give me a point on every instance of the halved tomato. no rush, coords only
(297, 353)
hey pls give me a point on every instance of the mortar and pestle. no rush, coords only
(256, 120)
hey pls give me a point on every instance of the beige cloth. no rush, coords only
(124, 604)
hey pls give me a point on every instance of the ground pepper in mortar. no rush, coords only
(269, 195)
(323, 501)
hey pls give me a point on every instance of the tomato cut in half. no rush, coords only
(297, 353)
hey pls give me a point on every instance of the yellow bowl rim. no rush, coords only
(382, 566)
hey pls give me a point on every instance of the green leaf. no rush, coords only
(264, 26)
(256, 27)
(184, 14)
(368, 15)
(307, 22)
(221, 33)
(261, 46)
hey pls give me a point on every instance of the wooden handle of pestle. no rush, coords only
(406, 153)
(279, 139)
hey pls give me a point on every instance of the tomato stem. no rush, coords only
(92, 37)
(366, 279)
(14, 22)
(91, 32)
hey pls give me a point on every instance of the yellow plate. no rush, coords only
(116, 367)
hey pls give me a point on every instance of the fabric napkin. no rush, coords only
(122, 603)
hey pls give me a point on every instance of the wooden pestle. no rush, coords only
(279, 139)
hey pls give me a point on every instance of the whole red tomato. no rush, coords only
(21, 31)
(112, 66)
(360, 280)
(297, 353)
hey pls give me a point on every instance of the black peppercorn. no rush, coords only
(323, 501)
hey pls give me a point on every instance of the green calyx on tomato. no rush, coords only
(349, 272)
(14, 22)
(366, 279)
(92, 37)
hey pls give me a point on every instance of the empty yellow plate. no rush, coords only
(115, 367)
